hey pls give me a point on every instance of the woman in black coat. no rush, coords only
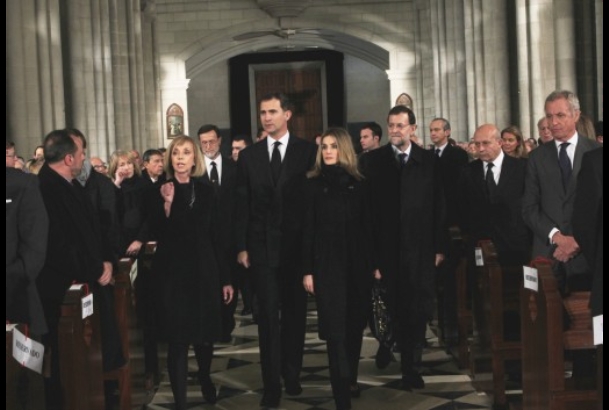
(338, 266)
(190, 285)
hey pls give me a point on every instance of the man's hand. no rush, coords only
(106, 276)
(566, 247)
(227, 294)
(307, 282)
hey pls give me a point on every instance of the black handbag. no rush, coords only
(381, 323)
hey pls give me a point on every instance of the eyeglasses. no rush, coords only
(100, 166)
(211, 143)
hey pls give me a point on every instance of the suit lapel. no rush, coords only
(262, 157)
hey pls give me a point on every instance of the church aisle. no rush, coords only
(236, 374)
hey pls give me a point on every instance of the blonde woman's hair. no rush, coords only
(199, 168)
(347, 159)
(116, 157)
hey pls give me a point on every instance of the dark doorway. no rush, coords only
(317, 91)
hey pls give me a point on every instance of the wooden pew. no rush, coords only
(123, 307)
(447, 291)
(80, 354)
(464, 311)
(24, 387)
(497, 298)
(545, 341)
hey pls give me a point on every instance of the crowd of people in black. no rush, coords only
(283, 218)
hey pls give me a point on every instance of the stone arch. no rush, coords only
(219, 46)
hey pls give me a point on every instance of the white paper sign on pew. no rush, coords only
(86, 301)
(28, 352)
(478, 257)
(530, 278)
(597, 326)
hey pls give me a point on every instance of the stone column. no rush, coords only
(486, 63)
(34, 82)
(448, 50)
(564, 35)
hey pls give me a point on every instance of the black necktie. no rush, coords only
(490, 179)
(402, 158)
(565, 164)
(213, 174)
(276, 162)
(438, 152)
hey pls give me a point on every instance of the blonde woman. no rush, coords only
(125, 175)
(189, 282)
(338, 267)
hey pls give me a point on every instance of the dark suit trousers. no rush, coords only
(177, 368)
(282, 318)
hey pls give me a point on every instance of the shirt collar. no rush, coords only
(497, 162)
(573, 141)
(284, 141)
(396, 151)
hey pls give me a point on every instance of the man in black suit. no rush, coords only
(588, 232)
(550, 188)
(452, 159)
(221, 173)
(491, 204)
(74, 251)
(588, 221)
(410, 234)
(271, 185)
(27, 227)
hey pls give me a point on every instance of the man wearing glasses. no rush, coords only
(98, 165)
(221, 173)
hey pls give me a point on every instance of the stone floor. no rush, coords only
(236, 374)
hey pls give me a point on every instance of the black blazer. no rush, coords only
(499, 217)
(452, 161)
(270, 217)
(588, 221)
(27, 228)
(226, 206)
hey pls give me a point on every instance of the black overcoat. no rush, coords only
(409, 225)
(337, 249)
(187, 274)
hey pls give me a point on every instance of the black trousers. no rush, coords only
(282, 317)
(177, 367)
(145, 310)
(341, 372)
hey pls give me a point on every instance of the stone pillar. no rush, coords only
(34, 82)
(486, 63)
(448, 45)
(564, 35)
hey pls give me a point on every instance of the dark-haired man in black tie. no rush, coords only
(410, 234)
(221, 173)
(272, 175)
(452, 159)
